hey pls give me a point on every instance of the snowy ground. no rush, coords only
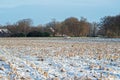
(59, 59)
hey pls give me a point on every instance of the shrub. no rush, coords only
(38, 34)
(18, 35)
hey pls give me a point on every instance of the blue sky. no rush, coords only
(43, 11)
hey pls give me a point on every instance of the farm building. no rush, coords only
(4, 32)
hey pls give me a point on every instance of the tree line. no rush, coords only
(109, 26)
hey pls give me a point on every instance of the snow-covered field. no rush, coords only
(59, 59)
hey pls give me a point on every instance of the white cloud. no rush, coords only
(15, 3)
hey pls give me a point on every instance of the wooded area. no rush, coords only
(109, 26)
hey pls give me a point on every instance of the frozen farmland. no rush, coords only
(59, 59)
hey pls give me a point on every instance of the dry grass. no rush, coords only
(109, 51)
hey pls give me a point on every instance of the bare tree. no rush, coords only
(110, 26)
(23, 26)
(72, 24)
(53, 27)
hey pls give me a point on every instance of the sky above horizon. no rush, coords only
(43, 11)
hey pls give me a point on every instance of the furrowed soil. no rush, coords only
(59, 59)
